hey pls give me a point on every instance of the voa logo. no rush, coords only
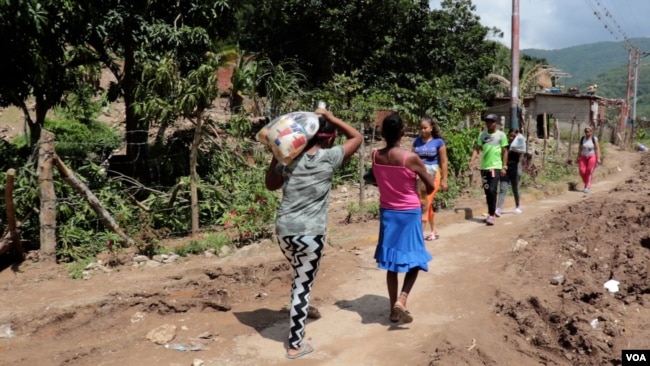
(635, 357)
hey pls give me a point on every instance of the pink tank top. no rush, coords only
(397, 185)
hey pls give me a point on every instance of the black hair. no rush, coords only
(435, 129)
(392, 128)
(325, 128)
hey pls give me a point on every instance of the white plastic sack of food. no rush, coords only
(518, 144)
(287, 135)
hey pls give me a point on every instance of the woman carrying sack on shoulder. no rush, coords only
(588, 157)
(301, 221)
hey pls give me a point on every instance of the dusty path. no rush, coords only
(105, 320)
(452, 304)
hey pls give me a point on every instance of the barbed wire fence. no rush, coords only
(114, 162)
(45, 153)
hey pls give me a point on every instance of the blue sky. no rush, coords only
(556, 24)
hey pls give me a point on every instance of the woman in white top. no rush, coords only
(588, 157)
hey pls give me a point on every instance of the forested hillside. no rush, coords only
(613, 84)
(586, 61)
(604, 64)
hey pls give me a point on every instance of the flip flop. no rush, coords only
(306, 348)
(430, 237)
(313, 312)
(404, 314)
(392, 320)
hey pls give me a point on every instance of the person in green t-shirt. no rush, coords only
(491, 145)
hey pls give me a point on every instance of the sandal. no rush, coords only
(430, 237)
(313, 312)
(404, 314)
(392, 317)
(305, 349)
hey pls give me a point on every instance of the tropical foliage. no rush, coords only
(359, 56)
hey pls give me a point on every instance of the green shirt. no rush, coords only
(306, 191)
(492, 149)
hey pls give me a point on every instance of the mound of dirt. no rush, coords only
(569, 258)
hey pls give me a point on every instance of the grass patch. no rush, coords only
(211, 241)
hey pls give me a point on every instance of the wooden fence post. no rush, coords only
(47, 215)
(362, 167)
(530, 118)
(194, 176)
(556, 131)
(12, 238)
(573, 122)
(544, 120)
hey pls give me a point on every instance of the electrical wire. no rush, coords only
(611, 25)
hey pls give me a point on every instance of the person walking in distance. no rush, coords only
(400, 248)
(302, 215)
(588, 157)
(430, 147)
(491, 145)
(511, 178)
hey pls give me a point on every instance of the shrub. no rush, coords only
(76, 143)
(211, 241)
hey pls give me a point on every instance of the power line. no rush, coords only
(632, 12)
(611, 25)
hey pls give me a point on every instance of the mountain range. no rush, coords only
(604, 64)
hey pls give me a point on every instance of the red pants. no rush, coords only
(586, 167)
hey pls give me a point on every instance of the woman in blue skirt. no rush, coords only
(401, 243)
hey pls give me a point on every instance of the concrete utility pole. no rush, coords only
(636, 74)
(514, 78)
(639, 56)
(625, 115)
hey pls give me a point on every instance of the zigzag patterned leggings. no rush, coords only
(304, 253)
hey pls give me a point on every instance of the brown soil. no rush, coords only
(488, 299)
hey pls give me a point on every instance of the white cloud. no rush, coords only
(555, 24)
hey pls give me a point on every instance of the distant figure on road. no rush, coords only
(511, 179)
(588, 157)
(400, 248)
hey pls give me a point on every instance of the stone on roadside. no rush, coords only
(225, 250)
(152, 264)
(139, 258)
(163, 334)
(519, 245)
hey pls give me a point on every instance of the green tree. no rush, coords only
(40, 59)
(199, 90)
(126, 35)
(392, 46)
(50, 39)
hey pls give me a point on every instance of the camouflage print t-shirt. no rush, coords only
(306, 191)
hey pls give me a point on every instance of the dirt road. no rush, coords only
(488, 298)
